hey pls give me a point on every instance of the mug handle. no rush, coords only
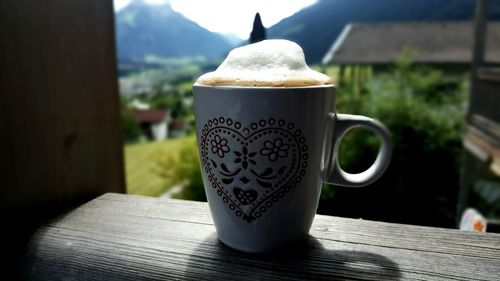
(337, 125)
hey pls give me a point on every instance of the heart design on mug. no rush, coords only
(252, 167)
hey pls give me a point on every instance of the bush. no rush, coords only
(131, 131)
(172, 101)
(183, 169)
(425, 112)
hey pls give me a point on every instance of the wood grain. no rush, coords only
(60, 136)
(121, 237)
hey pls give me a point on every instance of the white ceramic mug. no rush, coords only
(264, 153)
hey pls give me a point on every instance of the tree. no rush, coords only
(424, 110)
(183, 169)
(259, 31)
(131, 131)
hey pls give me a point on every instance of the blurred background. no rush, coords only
(406, 63)
(96, 96)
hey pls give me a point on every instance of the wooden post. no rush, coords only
(480, 31)
(60, 134)
(468, 172)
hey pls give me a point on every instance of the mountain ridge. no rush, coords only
(308, 26)
(146, 33)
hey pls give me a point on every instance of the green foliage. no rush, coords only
(141, 166)
(421, 100)
(130, 128)
(183, 169)
(424, 111)
(174, 101)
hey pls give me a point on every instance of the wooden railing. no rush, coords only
(123, 237)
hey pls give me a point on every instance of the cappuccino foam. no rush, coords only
(269, 63)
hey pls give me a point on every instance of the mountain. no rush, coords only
(154, 33)
(233, 39)
(316, 27)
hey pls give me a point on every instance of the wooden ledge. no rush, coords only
(123, 237)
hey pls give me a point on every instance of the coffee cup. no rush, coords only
(265, 152)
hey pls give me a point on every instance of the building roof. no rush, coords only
(150, 115)
(435, 42)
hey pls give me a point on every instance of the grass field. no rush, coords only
(141, 165)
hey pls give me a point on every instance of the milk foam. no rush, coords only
(269, 63)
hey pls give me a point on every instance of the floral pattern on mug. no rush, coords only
(244, 157)
(275, 150)
(219, 146)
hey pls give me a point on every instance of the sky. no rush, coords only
(230, 16)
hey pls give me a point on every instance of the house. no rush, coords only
(154, 123)
(444, 45)
(178, 128)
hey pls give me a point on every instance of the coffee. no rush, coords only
(269, 63)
